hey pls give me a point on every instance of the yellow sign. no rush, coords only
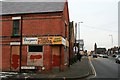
(50, 40)
(45, 40)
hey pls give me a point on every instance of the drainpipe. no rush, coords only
(21, 45)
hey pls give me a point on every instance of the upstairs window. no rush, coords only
(16, 25)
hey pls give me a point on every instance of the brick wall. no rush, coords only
(6, 58)
(34, 25)
(47, 58)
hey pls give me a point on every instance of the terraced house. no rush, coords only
(35, 36)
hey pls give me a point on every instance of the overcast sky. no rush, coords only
(100, 19)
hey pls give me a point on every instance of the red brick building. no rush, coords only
(35, 35)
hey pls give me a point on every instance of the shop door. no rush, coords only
(55, 56)
(15, 58)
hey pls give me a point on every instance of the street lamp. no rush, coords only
(79, 35)
(75, 36)
(111, 39)
(79, 29)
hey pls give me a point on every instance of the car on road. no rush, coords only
(117, 59)
(101, 55)
(114, 55)
(94, 55)
(105, 56)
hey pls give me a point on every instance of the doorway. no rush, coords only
(56, 58)
(15, 58)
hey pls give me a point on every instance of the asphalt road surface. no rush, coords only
(105, 68)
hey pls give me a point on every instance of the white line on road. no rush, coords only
(93, 69)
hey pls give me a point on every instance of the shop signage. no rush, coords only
(63, 41)
(30, 40)
(50, 40)
(44, 40)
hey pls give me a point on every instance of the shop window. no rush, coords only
(16, 24)
(35, 48)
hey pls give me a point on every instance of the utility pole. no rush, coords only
(79, 34)
(21, 45)
(111, 39)
(75, 36)
(79, 28)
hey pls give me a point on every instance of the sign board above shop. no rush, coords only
(30, 40)
(44, 40)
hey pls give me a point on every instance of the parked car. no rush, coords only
(113, 55)
(101, 55)
(105, 56)
(117, 59)
(94, 55)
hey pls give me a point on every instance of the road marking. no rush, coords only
(93, 69)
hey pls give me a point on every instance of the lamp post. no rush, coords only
(111, 39)
(79, 34)
(75, 36)
(79, 28)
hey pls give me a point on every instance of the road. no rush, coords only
(105, 68)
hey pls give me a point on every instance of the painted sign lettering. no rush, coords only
(35, 57)
(57, 39)
(44, 40)
(30, 40)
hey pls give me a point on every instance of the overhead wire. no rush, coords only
(103, 29)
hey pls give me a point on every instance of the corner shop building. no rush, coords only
(44, 35)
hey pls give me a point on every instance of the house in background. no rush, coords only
(35, 34)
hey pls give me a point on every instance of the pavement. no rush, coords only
(79, 70)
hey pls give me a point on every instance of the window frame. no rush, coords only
(16, 27)
(16, 30)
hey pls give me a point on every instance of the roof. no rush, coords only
(31, 7)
